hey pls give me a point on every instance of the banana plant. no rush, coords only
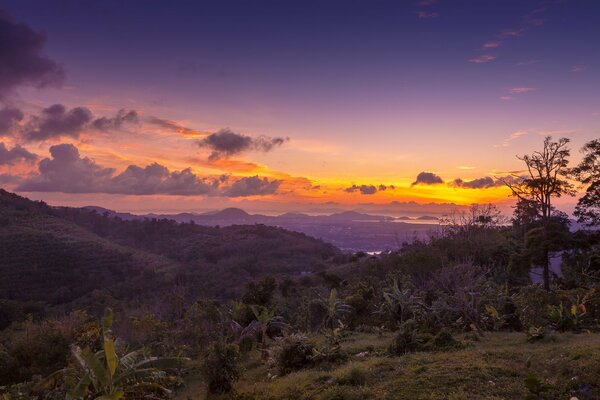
(103, 375)
(335, 309)
(266, 318)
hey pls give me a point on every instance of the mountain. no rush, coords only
(351, 231)
(61, 254)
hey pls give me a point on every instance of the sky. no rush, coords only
(278, 106)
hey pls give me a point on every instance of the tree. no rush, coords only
(587, 173)
(546, 179)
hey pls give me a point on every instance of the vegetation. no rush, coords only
(263, 313)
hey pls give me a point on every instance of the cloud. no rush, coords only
(427, 14)
(8, 179)
(427, 178)
(512, 32)
(173, 126)
(528, 62)
(122, 118)
(368, 189)
(67, 171)
(521, 90)
(466, 167)
(252, 186)
(578, 68)
(21, 58)
(225, 143)
(484, 58)
(363, 189)
(9, 118)
(14, 155)
(505, 98)
(514, 135)
(157, 179)
(480, 183)
(56, 121)
(492, 44)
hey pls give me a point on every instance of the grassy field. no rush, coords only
(496, 367)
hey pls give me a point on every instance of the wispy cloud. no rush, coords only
(484, 58)
(513, 136)
(578, 68)
(492, 44)
(427, 14)
(507, 33)
(521, 90)
(466, 167)
(528, 62)
(506, 98)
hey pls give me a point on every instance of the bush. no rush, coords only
(532, 305)
(294, 352)
(355, 377)
(409, 340)
(221, 367)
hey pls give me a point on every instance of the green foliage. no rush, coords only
(335, 309)
(532, 304)
(564, 318)
(221, 368)
(536, 389)
(294, 352)
(106, 375)
(408, 339)
(260, 293)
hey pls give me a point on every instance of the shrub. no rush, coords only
(355, 377)
(409, 339)
(532, 305)
(294, 352)
(221, 367)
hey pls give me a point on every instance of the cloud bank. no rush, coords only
(67, 171)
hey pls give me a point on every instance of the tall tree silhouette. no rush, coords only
(545, 179)
(587, 173)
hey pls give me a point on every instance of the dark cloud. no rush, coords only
(9, 118)
(21, 58)
(122, 118)
(171, 126)
(368, 189)
(486, 182)
(252, 186)
(14, 155)
(157, 179)
(480, 183)
(56, 121)
(225, 143)
(66, 171)
(8, 179)
(427, 178)
(363, 189)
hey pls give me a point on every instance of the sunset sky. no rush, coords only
(289, 105)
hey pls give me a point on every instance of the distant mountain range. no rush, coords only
(348, 230)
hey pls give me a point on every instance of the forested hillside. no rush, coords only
(58, 255)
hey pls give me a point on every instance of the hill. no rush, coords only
(58, 255)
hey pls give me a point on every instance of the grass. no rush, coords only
(494, 368)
